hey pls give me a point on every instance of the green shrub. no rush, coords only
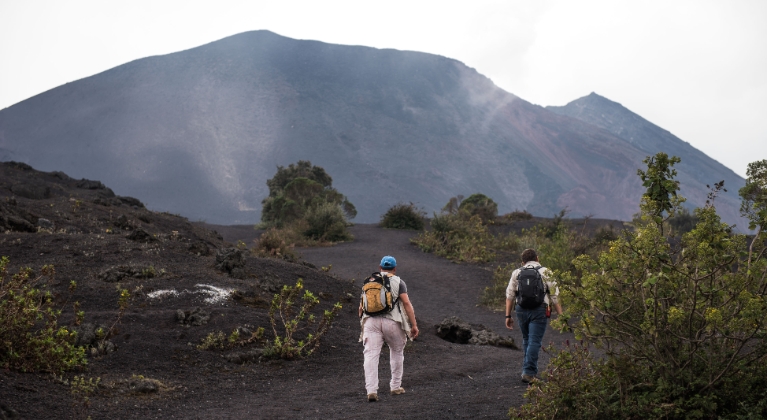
(754, 194)
(286, 345)
(30, 337)
(403, 216)
(576, 385)
(274, 244)
(218, 340)
(518, 215)
(81, 391)
(494, 296)
(452, 205)
(326, 222)
(458, 237)
(682, 324)
(480, 205)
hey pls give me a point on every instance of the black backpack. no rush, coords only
(377, 297)
(531, 289)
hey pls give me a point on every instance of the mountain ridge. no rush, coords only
(198, 132)
(696, 170)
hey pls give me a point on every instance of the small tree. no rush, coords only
(298, 188)
(480, 205)
(302, 169)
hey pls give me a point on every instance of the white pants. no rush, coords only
(377, 330)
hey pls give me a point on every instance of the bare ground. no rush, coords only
(442, 379)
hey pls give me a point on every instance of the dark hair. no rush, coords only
(529, 255)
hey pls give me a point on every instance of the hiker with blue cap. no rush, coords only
(386, 315)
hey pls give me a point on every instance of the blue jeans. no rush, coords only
(532, 323)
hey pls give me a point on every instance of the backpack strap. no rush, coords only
(545, 283)
(387, 284)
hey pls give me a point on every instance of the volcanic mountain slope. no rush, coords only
(695, 171)
(199, 132)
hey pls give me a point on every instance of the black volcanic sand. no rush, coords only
(442, 379)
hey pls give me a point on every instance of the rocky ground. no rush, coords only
(188, 281)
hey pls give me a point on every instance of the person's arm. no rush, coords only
(359, 311)
(410, 314)
(509, 316)
(510, 300)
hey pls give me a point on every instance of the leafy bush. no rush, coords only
(274, 244)
(575, 386)
(218, 340)
(480, 205)
(285, 344)
(81, 391)
(30, 337)
(681, 323)
(213, 341)
(452, 205)
(403, 216)
(459, 237)
(518, 215)
(494, 296)
(326, 222)
(754, 194)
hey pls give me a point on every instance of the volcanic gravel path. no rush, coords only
(443, 380)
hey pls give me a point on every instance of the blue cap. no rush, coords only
(388, 262)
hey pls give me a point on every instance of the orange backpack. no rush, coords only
(377, 298)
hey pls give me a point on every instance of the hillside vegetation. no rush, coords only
(680, 322)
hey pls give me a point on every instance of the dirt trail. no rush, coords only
(437, 287)
(443, 380)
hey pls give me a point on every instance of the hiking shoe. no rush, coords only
(398, 391)
(373, 397)
(528, 378)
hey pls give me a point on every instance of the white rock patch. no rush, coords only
(157, 294)
(214, 295)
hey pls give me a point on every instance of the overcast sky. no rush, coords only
(696, 68)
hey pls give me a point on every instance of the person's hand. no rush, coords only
(413, 332)
(510, 323)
